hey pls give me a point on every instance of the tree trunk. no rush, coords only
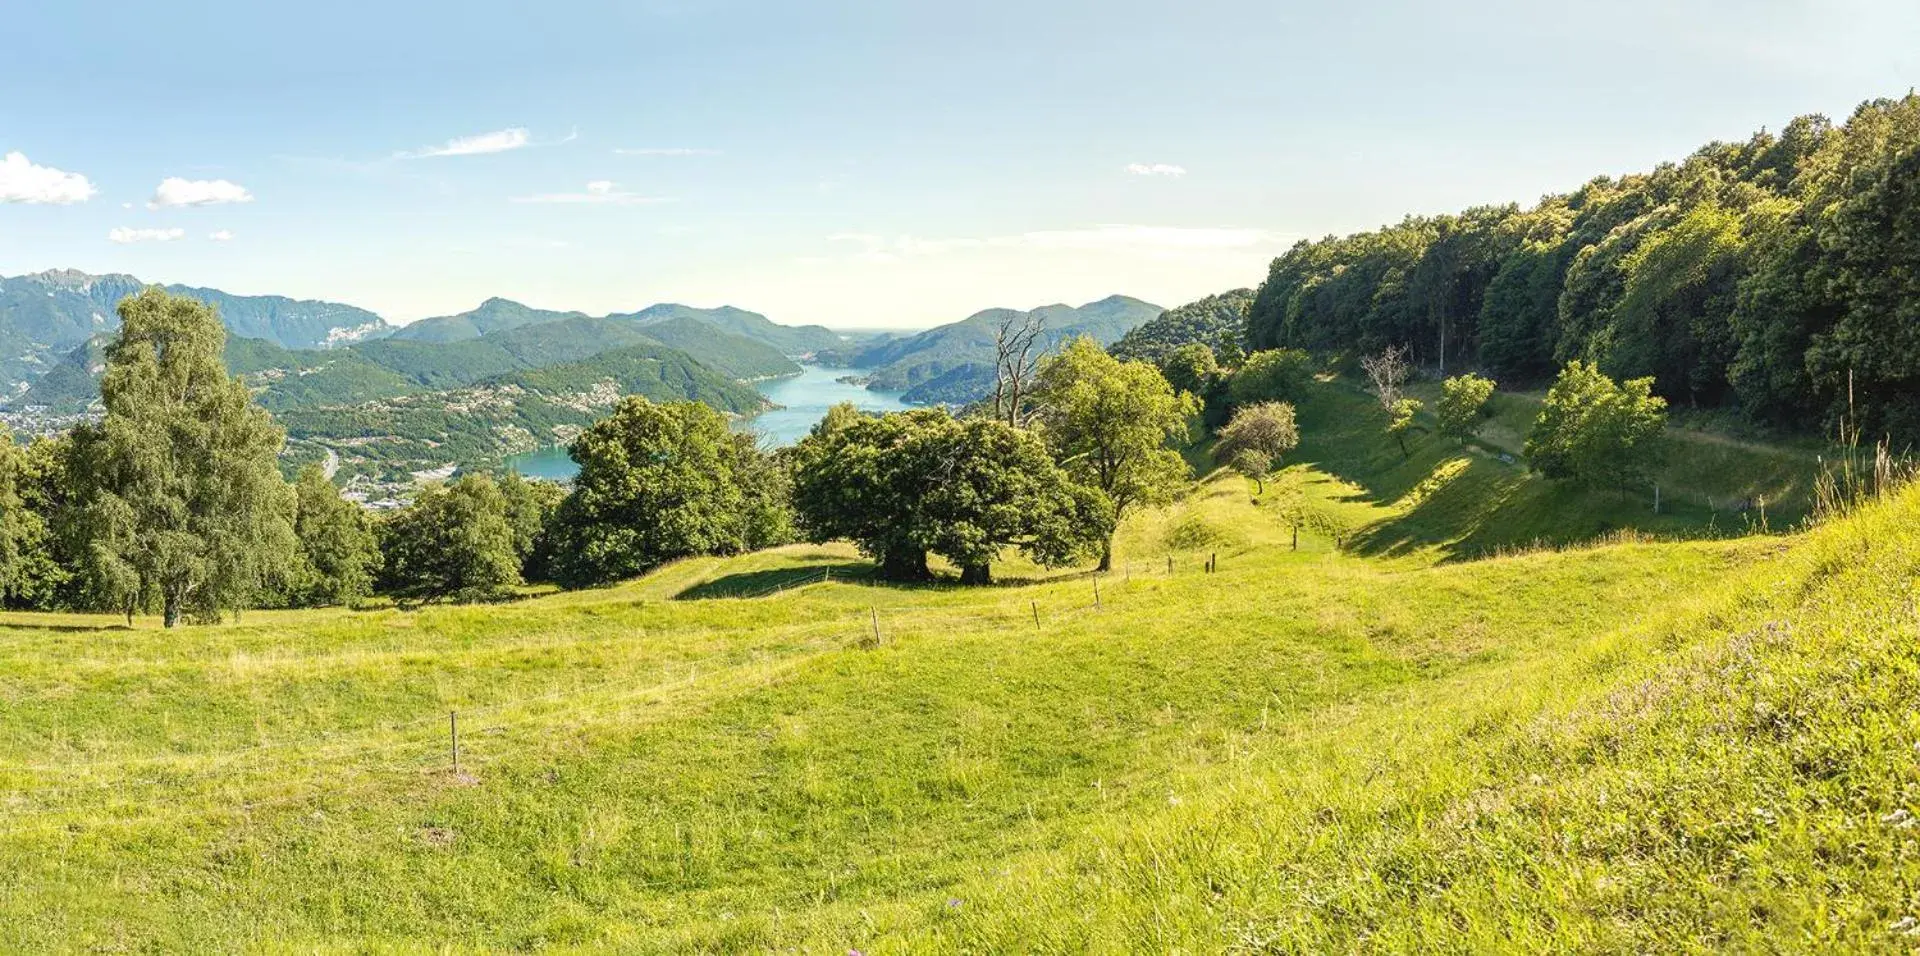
(1106, 555)
(905, 565)
(976, 574)
(171, 615)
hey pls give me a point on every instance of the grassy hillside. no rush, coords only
(1636, 746)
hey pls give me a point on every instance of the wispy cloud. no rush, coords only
(601, 191)
(125, 235)
(1156, 169)
(220, 235)
(22, 181)
(498, 141)
(1147, 240)
(174, 191)
(665, 151)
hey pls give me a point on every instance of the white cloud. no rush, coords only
(666, 151)
(174, 191)
(126, 235)
(220, 235)
(602, 191)
(1156, 169)
(22, 181)
(498, 141)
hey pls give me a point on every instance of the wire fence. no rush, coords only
(387, 753)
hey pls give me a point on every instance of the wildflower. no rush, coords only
(953, 904)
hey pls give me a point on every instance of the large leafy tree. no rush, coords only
(24, 533)
(1463, 405)
(531, 505)
(339, 554)
(658, 482)
(1110, 423)
(455, 542)
(1593, 431)
(849, 483)
(905, 485)
(988, 487)
(179, 501)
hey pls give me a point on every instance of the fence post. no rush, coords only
(1169, 565)
(453, 736)
(1213, 561)
(1036, 614)
(1096, 592)
(875, 613)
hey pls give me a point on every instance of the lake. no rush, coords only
(804, 399)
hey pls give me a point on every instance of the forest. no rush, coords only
(1776, 278)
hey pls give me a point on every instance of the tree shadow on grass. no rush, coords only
(772, 580)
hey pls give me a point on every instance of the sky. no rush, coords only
(855, 164)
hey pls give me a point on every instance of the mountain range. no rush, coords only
(954, 363)
(46, 315)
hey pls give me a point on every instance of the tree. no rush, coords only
(1594, 432)
(454, 542)
(531, 505)
(1016, 345)
(339, 554)
(657, 481)
(1192, 369)
(35, 560)
(1273, 375)
(24, 533)
(1388, 372)
(1109, 423)
(904, 485)
(1265, 427)
(989, 487)
(180, 501)
(1400, 421)
(1463, 404)
(1255, 465)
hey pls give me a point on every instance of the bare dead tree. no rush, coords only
(1017, 351)
(1388, 370)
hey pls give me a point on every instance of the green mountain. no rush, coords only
(1217, 321)
(735, 356)
(788, 339)
(954, 363)
(493, 315)
(512, 412)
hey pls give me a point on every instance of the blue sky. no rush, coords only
(855, 164)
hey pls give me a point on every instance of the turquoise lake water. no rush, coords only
(804, 399)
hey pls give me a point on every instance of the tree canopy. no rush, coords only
(1595, 432)
(1774, 275)
(1463, 405)
(658, 481)
(179, 500)
(1110, 422)
(909, 484)
(454, 542)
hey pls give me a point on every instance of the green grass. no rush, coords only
(1641, 745)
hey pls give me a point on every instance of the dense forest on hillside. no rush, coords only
(1779, 276)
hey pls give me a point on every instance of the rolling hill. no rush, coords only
(494, 315)
(954, 363)
(1624, 745)
(790, 340)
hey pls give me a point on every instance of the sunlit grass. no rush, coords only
(1642, 746)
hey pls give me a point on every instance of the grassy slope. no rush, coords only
(1637, 746)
